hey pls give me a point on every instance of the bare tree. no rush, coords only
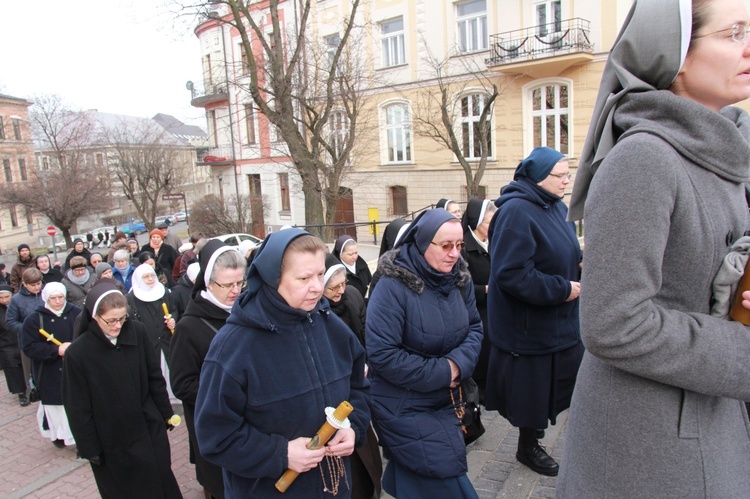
(146, 160)
(440, 115)
(70, 184)
(303, 89)
(213, 217)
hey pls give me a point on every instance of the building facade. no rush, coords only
(17, 225)
(544, 57)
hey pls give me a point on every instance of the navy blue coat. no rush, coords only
(21, 305)
(267, 378)
(535, 254)
(45, 353)
(412, 329)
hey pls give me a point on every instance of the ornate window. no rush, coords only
(550, 116)
(398, 130)
(548, 17)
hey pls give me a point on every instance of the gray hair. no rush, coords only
(228, 260)
(121, 255)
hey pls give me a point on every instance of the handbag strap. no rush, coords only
(38, 381)
(209, 325)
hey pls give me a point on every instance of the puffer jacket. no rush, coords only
(413, 327)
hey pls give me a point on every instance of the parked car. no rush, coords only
(136, 228)
(61, 246)
(168, 219)
(235, 239)
(181, 215)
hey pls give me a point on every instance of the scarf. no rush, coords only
(80, 281)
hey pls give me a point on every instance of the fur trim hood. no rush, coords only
(389, 268)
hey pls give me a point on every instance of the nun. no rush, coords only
(357, 271)
(391, 235)
(450, 206)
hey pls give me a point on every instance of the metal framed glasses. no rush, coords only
(738, 33)
(338, 287)
(112, 322)
(561, 175)
(448, 245)
(238, 284)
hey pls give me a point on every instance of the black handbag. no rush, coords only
(468, 411)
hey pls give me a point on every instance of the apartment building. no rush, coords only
(17, 156)
(545, 57)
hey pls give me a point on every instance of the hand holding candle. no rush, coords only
(167, 315)
(50, 337)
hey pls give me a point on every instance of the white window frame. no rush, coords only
(331, 47)
(398, 133)
(471, 29)
(473, 119)
(552, 13)
(392, 42)
(543, 113)
(338, 125)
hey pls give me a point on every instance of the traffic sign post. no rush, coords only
(174, 197)
(51, 230)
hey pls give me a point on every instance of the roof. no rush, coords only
(17, 99)
(178, 128)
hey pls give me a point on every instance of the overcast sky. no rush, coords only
(116, 56)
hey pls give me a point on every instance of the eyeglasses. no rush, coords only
(561, 175)
(338, 286)
(448, 246)
(238, 284)
(739, 33)
(112, 322)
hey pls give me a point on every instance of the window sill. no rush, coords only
(490, 161)
(404, 163)
(473, 52)
(397, 66)
(285, 215)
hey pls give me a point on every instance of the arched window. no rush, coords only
(398, 131)
(550, 116)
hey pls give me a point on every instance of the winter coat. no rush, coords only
(413, 327)
(250, 406)
(85, 253)
(181, 295)
(10, 355)
(117, 406)
(16, 273)
(127, 280)
(656, 410)
(22, 304)
(359, 280)
(535, 255)
(351, 309)
(46, 363)
(478, 260)
(190, 344)
(151, 315)
(52, 275)
(164, 260)
(77, 292)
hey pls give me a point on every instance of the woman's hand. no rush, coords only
(342, 443)
(61, 349)
(300, 458)
(170, 323)
(746, 299)
(455, 374)
(575, 290)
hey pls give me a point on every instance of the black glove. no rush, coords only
(97, 460)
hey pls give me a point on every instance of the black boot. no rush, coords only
(23, 400)
(531, 454)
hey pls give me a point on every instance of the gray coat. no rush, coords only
(656, 410)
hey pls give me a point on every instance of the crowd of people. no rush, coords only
(297, 368)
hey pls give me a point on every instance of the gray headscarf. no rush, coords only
(647, 55)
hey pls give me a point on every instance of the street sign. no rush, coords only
(51, 230)
(172, 197)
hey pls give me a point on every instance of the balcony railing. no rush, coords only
(212, 91)
(545, 40)
(221, 155)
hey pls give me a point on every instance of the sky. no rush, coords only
(116, 56)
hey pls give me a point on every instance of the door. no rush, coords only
(345, 214)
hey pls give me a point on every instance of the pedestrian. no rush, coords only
(347, 303)
(21, 305)
(533, 304)
(4, 278)
(357, 271)
(135, 251)
(657, 409)
(78, 250)
(56, 317)
(191, 255)
(104, 271)
(49, 273)
(90, 240)
(117, 402)
(391, 235)
(10, 354)
(106, 238)
(94, 260)
(476, 222)
(122, 271)
(213, 295)
(170, 237)
(423, 338)
(120, 242)
(164, 278)
(164, 254)
(78, 280)
(25, 261)
(450, 206)
(178, 263)
(254, 419)
(99, 239)
(146, 301)
(184, 288)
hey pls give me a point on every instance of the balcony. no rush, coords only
(542, 51)
(211, 93)
(215, 156)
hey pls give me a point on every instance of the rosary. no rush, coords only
(459, 408)
(337, 471)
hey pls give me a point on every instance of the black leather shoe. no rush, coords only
(538, 460)
(60, 444)
(23, 400)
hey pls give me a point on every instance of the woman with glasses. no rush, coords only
(78, 280)
(357, 271)
(423, 338)
(657, 407)
(533, 304)
(146, 301)
(56, 317)
(117, 401)
(217, 286)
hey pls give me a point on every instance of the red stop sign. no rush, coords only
(51, 230)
